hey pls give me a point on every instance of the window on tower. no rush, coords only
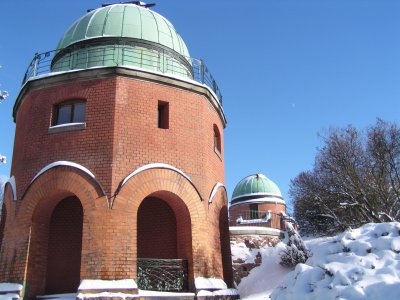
(69, 115)
(73, 111)
(163, 115)
(217, 141)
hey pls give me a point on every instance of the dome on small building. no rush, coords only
(257, 201)
(123, 35)
(256, 187)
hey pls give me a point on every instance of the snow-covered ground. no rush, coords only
(263, 279)
(363, 263)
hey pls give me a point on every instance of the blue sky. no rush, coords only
(287, 69)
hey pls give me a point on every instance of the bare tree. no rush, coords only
(355, 180)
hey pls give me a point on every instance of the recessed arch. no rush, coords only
(180, 193)
(218, 213)
(40, 200)
(155, 166)
(77, 168)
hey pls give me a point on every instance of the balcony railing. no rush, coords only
(169, 275)
(120, 55)
(256, 218)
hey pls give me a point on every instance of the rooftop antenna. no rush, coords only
(138, 3)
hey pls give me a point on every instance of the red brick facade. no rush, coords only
(275, 208)
(121, 136)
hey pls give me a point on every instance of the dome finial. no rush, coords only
(139, 3)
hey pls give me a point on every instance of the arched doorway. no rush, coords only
(225, 246)
(64, 247)
(156, 230)
(163, 243)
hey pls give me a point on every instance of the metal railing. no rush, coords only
(256, 218)
(120, 55)
(163, 274)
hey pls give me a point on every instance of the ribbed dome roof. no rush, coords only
(124, 20)
(255, 185)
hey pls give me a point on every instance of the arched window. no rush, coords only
(217, 140)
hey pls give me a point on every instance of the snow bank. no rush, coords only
(263, 279)
(359, 264)
(240, 251)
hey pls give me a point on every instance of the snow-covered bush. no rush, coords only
(295, 251)
(358, 264)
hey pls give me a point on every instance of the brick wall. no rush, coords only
(2, 222)
(121, 135)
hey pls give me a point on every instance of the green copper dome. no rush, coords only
(123, 35)
(256, 186)
(125, 20)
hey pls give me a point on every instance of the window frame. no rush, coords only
(217, 141)
(71, 125)
(73, 103)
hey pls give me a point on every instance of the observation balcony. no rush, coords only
(121, 55)
(257, 218)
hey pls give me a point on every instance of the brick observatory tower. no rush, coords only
(118, 163)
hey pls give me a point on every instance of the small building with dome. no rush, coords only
(257, 202)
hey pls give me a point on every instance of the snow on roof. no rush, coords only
(203, 283)
(98, 284)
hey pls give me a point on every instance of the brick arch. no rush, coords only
(153, 180)
(8, 200)
(161, 182)
(36, 208)
(58, 183)
(218, 215)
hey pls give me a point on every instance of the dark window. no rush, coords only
(70, 112)
(163, 115)
(217, 140)
(254, 211)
